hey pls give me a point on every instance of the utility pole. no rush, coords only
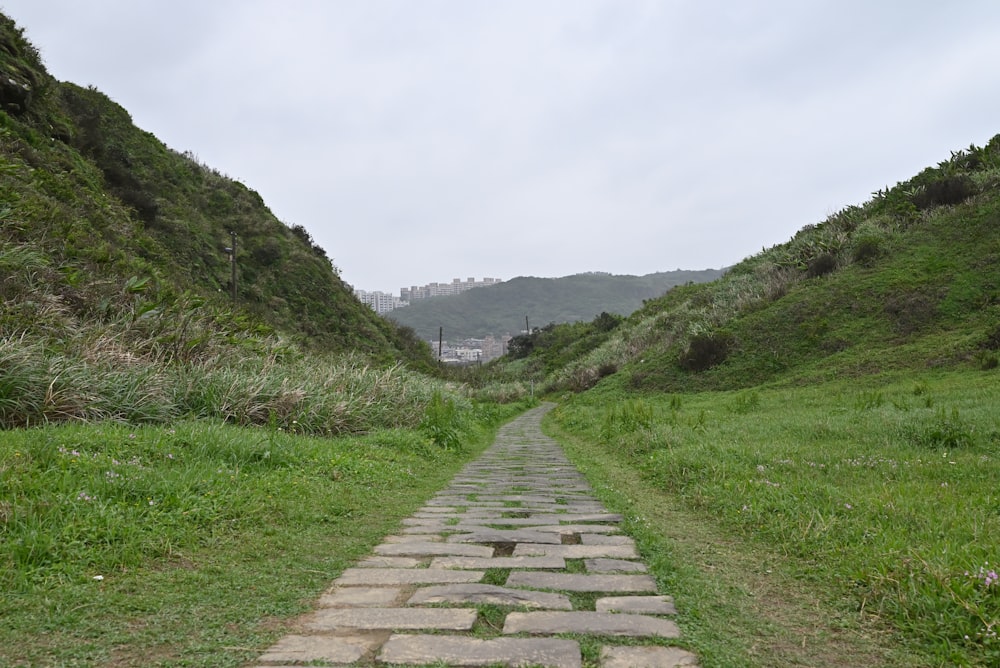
(440, 341)
(527, 330)
(232, 263)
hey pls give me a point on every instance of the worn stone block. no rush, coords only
(613, 566)
(460, 651)
(360, 597)
(491, 594)
(598, 623)
(643, 605)
(576, 551)
(441, 619)
(504, 536)
(343, 649)
(582, 582)
(405, 576)
(433, 549)
(478, 563)
(647, 657)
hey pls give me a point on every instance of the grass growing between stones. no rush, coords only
(496, 576)
(490, 619)
(832, 525)
(584, 600)
(194, 544)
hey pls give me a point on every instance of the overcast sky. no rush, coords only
(422, 140)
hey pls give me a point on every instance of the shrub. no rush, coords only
(945, 430)
(442, 423)
(868, 248)
(947, 190)
(988, 361)
(705, 351)
(606, 369)
(822, 264)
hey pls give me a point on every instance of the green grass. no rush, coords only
(195, 544)
(878, 500)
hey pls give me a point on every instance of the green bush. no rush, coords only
(442, 423)
(822, 264)
(947, 190)
(945, 430)
(705, 351)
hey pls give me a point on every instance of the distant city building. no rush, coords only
(380, 302)
(457, 286)
(471, 351)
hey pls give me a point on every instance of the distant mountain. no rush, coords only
(501, 309)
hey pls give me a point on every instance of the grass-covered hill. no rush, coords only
(808, 448)
(99, 218)
(908, 280)
(501, 309)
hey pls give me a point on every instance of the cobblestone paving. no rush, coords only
(513, 564)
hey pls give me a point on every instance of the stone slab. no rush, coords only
(598, 623)
(424, 521)
(477, 563)
(613, 566)
(491, 594)
(424, 530)
(598, 539)
(582, 582)
(473, 523)
(406, 576)
(459, 651)
(576, 551)
(389, 562)
(414, 538)
(360, 597)
(343, 649)
(440, 619)
(642, 605)
(647, 657)
(568, 517)
(577, 528)
(432, 549)
(504, 536)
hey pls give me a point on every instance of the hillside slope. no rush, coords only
(908, 280)
(100, 217)
(501, 309)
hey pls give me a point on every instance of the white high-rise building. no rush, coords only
(380, 302)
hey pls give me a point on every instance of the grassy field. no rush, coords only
(851, 523)
(196, 543)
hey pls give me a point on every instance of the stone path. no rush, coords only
(510, 565)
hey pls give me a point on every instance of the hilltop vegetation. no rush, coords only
(501, 309)
(99, 221)
(905, 281)
(826, 408)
